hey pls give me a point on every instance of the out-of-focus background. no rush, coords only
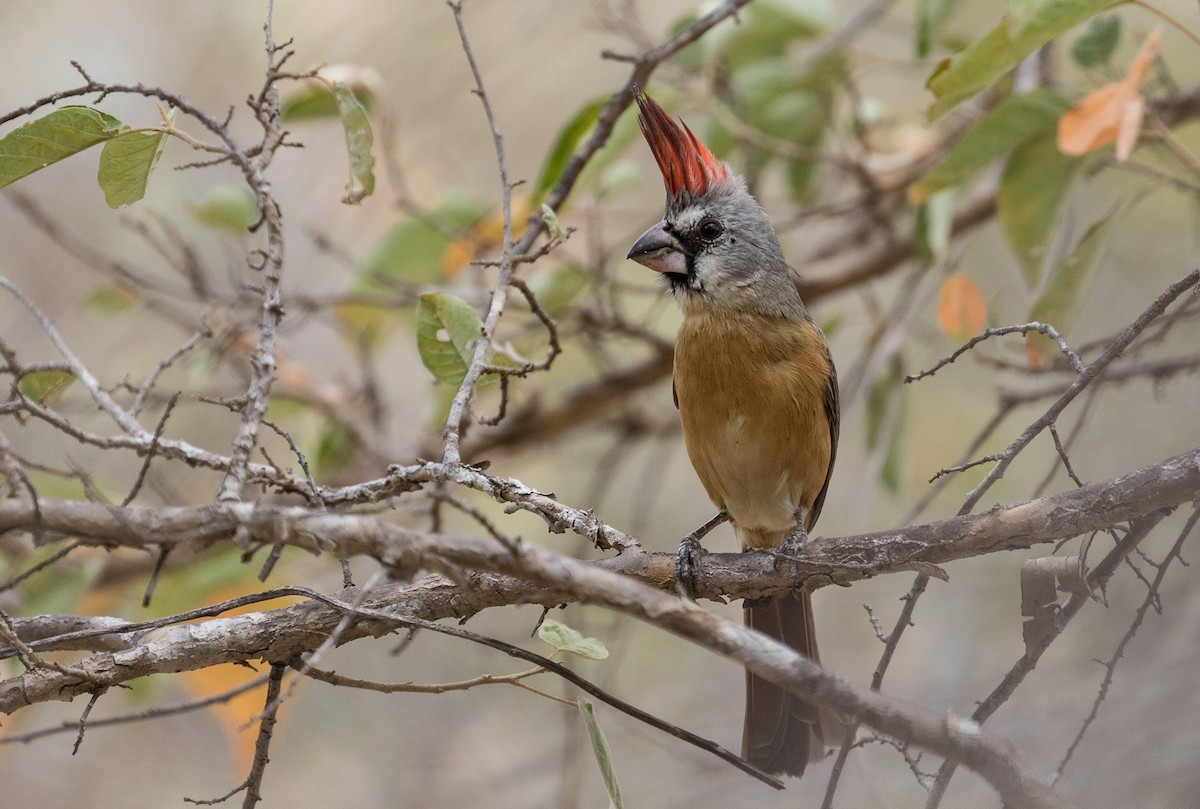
(500, 746)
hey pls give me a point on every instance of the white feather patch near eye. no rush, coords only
(688, 218)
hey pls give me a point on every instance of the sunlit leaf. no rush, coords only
(601, 751)
(1034, 185)
(227, 207)
(1096, 44)
(566, 639)
(1059, 301)
(53, 137)
(126, 163)
(359, 141)
(1002, 49)
(46, 386)
(1011, 123)
(961, 309)
(447, 330)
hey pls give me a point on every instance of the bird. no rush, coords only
(757, 393)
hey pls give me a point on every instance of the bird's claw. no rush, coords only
(688, 566)
(789, 551)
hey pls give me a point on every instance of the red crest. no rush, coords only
(685, 162)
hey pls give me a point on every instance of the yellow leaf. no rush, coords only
(961, 310)
(1112, 113)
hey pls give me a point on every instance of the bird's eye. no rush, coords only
(711, 230)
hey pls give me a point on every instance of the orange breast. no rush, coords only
(751, 394)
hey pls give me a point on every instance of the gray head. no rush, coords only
(715, 245)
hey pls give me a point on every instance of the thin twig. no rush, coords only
(1110, 667)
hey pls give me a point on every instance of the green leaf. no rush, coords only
(51, 138)
(887, 416)
(337, 448)
(931, 17)
(982, 64)
(602, 752)
(1012, 122)
(935, 218)
(1032, 189)
(1096, 44)
(109, 300)
(410, 253)
(447, 329)
(46, 386)
(551, 220)
(797, 117)
(566, 639)
(1059, 301)
(359, 140)
(690, 58)
(125, 166)
(770, 27)
(316, 100)
(364, 324)
(227, 207)
(556, 290)
(565, 144)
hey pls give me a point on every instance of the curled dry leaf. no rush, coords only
(1041, 581)
(1112, 113)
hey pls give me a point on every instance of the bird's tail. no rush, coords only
(783, 733)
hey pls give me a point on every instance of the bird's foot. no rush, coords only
(789, 552)
(688, 567)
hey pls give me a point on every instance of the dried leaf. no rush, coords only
(1112, 113)
(1041, 581)
(961, 309)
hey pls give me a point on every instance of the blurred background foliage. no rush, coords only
(916, 219)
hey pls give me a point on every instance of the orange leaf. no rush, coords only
(456, 256)
(1109, 113)
(961, 310)
(235, 714)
